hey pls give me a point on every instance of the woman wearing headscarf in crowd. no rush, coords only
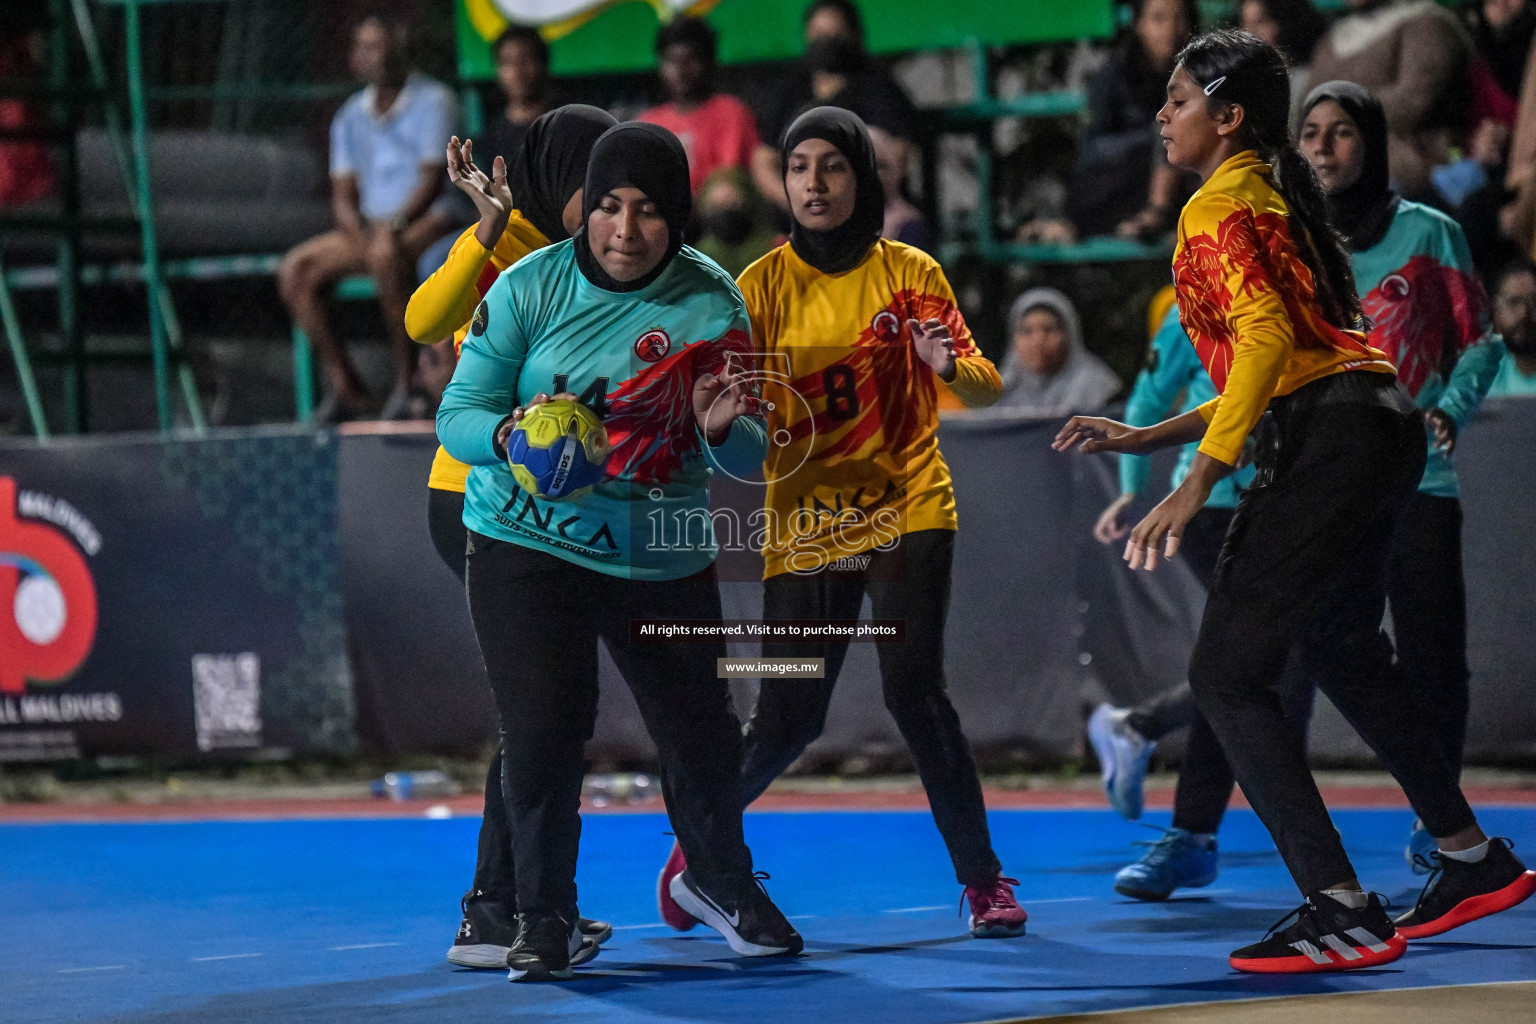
(1429, 313)
(735, 225)
(1123, 182)
(526, 203)
(644, 328)
(1048, 371)
(857, 331)
(1267, 293)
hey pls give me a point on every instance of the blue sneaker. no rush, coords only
(1123, 755)
(1175, 861)
(1420, 847)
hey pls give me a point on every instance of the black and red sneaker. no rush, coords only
(1458, 893)
(676, 917)
(995, 914)
(1326, 936)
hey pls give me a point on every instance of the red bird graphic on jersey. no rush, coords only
(1416, 310)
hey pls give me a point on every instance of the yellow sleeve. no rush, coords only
(445, 301)
(977, 383)
(1263, 338)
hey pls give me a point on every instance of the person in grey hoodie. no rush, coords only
(1047, 370)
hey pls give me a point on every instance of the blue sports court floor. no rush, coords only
(320, 921)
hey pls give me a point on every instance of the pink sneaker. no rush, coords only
(995, 914)
(675, 916)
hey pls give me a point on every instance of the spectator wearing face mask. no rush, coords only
(837, 72)
(716, 130)
(1514, 316)
(736, 228)
(522, 71)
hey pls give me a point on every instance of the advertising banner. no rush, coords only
(171, 598)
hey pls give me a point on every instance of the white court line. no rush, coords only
(82, 970)
(633, 927)
(229, 956)
(361, 945)
(916, 910)
(801, 917)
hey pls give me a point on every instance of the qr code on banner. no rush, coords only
(226, 696)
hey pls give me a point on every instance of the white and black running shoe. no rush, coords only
(751, 924)
(1458, 893)
(1326, 936)
(488, 929)
(547, 949)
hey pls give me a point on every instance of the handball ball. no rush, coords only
(558, 449)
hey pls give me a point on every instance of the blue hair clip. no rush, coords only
(1214, 85)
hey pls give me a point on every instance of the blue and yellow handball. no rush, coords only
(559, 449)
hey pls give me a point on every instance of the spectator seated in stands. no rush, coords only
(1502, 34)
(904, 222)
(27, 173)
(1123, 183)
(522, 71)
(1293, 27)
(387, 177)
(1048, 371)
(716, 130)
(736, 228)
(837, 72)
(1415, 57)
(1514, 317)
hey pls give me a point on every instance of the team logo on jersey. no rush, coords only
(653, 345)
(481, 321)
(886, 326)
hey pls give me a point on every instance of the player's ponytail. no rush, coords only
(1239, 68)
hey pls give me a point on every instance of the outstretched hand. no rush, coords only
(490, 194)
(1444, 430)
(935, 346)
(1091, 434)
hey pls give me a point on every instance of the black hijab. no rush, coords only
(841, 249)
(1362, 212)
(551, 164)
(646, 157)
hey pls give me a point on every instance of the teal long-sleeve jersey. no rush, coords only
(633, 357)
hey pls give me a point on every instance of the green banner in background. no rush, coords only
(601, 36)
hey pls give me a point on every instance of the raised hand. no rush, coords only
(935, 346)
(718, 399)
(491, 196)
(1097, 434)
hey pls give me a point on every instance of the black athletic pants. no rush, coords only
(1305, 564)
(538, 619)
(910, 582)
(1205, 778)
(494, 874)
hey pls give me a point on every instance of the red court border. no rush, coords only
(1338, 797)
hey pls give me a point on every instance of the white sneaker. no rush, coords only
(1123, 756)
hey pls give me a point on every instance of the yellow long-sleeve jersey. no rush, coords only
(444, 303)
(853, 461)
(1249, 304)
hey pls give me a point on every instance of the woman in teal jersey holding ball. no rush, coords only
(642, 328)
